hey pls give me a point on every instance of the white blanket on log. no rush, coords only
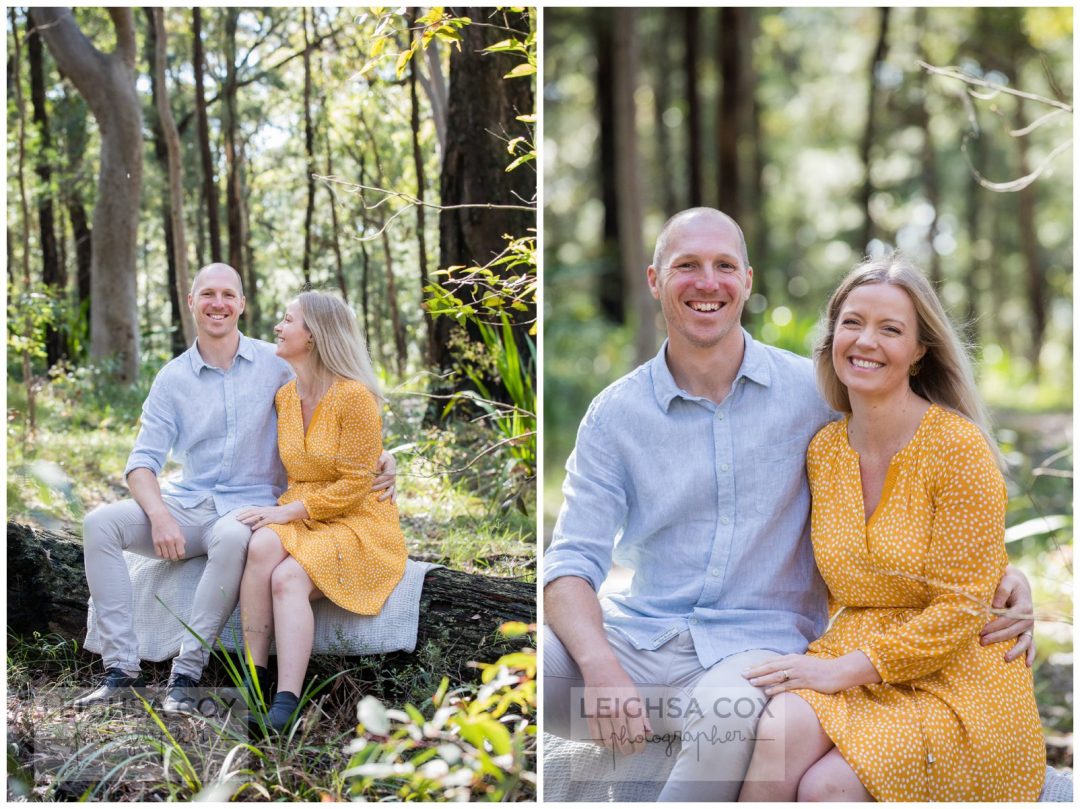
(163, 592)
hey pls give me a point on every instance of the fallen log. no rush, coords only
(459, 612)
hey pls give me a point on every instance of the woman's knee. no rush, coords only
(265, 548)
(831, 779)
(289, 579)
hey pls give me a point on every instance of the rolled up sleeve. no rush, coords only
(594, 508)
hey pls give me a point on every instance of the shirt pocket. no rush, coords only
(780, 475)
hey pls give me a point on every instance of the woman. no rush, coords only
(329, 536)
(898, 700)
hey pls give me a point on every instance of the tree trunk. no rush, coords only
(459, 612)
(24, 210)
(631, 241)
(435, 86)
(210, 192)
(481, 117)
(421, 236)
(397, 326)
(880, 51)
(1034, 272)
(729, 123)
(53, 272)
(177, 341)
(691, 22)
(339, 264)
(234, 201)
(309, 152)
(175, 173)
(662, 89)
(612, 293)
(107, 82)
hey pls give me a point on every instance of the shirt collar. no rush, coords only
(245, 350)
(755, 367)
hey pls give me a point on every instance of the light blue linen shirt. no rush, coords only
(220, 424)
(706, 503)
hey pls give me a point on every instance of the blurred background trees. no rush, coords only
(829, 134)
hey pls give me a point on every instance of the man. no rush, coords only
(214, 404)
(698, 458)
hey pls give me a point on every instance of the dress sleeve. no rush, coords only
(355, 456)
(594, 507)
(965, 560)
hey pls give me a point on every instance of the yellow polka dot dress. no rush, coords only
(911, 587)
(351, 546)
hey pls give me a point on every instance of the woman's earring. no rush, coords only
(914, 369)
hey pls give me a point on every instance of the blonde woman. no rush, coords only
(898, 701)
(329, 536)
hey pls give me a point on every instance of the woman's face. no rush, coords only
(876, 340)
(293, 338)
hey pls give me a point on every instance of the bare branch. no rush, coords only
(954, 73)
(1020, 183)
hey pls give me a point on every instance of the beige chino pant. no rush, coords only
(714, 711)
(111, 529)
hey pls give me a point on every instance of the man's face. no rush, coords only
(216, 303)
(703, 283)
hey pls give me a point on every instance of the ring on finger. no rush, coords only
(786, 673)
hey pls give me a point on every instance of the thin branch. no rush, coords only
(953, 73)
(1020, 183)
(1027, 130)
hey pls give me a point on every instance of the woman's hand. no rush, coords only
(818, 674)
(386, 477)
(258, 516)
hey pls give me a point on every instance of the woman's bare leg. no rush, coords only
(265, 553)
(294, 622)
(789, 742)
(832, 779)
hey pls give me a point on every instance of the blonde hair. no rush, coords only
(338, 347)
(945, 375)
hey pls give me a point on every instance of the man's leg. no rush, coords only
(108, 531)
(224, 543)
(718, 736)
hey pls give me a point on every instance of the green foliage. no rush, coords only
(473, 743)
(30, 313)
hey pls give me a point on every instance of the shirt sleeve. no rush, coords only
(594, 507)
(357, 452)
(966, 558)
(158, 431)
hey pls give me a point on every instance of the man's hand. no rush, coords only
(615, 711)
(256, 517)
(1013, 595)
(168, 538)
(386, 477)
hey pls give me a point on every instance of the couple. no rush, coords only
(231, 406)
(700, 460)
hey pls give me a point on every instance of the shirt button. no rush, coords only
(720, 416)
(724, 520)
(724, 467)
(716, 571)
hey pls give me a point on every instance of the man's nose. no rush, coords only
(708, 278)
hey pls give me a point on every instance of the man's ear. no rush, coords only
(749, 283)
(653, 281)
